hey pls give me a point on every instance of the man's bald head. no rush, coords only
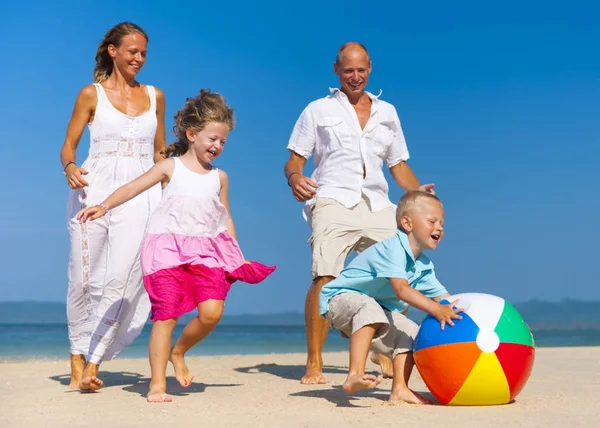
(350, 47)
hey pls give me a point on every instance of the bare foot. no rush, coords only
(90, 383)
(77, 366)
(182, 373)
(313, 376)
(89, 379)
(385, 364)
(357, 382)
(408, 396)
(158, 394)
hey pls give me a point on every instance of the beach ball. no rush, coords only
(485, 359)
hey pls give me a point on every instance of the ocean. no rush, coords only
(50, 341)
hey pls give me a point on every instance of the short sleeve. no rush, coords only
(398, 151)
(430, 286)
(388, 259)
(303, 138)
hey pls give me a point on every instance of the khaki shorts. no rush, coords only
(349, 312)
(337, 231)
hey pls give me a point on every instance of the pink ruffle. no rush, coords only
(176, 291)
(167, 250)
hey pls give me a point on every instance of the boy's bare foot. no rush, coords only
(385, 364)
(77, 366)
(90, 383)
(182, 373)
(408, 396)
(313, 376)
(357, 382)
(158, 394)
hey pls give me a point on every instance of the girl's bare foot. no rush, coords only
(77, 366)
(182, 373)
(408, 396)
(357, 382)
(158, 394)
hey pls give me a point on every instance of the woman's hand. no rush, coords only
(75, 175)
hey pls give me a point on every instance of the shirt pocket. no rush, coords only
(383, 137)
(334, 132)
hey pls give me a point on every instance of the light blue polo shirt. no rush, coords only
(370, 271)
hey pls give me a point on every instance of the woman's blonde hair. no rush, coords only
(197, 112)
(114, 36)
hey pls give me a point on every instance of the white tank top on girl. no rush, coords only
(190, 205)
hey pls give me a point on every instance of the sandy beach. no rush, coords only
(264, 391)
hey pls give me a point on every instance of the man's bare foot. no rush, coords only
(158, 394)
(313, 376)
(357, 382)
(408, 396)
(90, 383)
(77, 366)
(182, 373)
(385, 364)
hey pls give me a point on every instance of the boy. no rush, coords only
(366, 302)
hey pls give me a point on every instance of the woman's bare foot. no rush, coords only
(385, 364)
(357, 382)
(77, 366)
(182, 373)
(90, 383)
(408, 396)
(89, 380)
(158, 394)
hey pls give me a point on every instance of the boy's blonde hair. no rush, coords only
(410, 200)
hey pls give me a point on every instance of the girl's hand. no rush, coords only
(91, 213)
(446, 313)
(75, 175)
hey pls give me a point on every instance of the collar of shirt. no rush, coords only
(422, 263)
(338, 92)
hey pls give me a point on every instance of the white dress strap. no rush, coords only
(152, 95)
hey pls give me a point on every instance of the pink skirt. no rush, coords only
(178, 290)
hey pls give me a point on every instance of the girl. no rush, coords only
(106, 303)
(189, 255)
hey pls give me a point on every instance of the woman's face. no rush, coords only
(130, 56)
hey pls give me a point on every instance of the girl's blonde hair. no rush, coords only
(197, 112)
(114, 36)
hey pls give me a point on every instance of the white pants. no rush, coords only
(107, 305)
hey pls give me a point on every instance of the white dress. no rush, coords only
(107, 305)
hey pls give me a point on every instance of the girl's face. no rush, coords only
(130, 56)
(208, 143)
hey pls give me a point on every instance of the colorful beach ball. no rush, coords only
(485, 359)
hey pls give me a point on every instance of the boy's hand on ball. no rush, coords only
(446, 313)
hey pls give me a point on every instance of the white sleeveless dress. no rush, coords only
(107, 305)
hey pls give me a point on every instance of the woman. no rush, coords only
(107, 305)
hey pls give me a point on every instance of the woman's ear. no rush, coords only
(112, 51)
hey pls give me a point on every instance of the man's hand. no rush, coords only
(303, 188)
(428, 188)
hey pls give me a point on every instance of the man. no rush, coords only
(351, 133)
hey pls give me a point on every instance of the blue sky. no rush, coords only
(499, 104)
